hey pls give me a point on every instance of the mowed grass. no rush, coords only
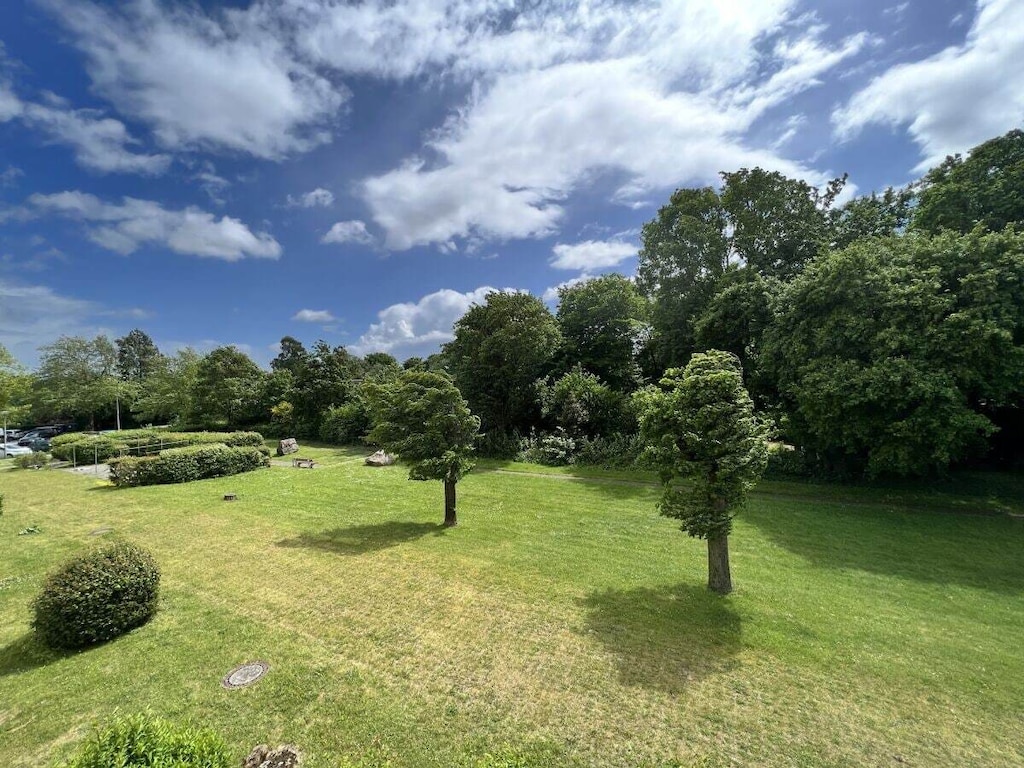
(562, 623)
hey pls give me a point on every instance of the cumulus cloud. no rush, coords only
(133, 223)
(955, 99)
(643, 91)
(592, 254)
(225, 80)
(420, 327)
(348, 232)
(318, 198)
(33, 315)
(314, 316)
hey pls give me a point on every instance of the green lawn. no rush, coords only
(562, 621)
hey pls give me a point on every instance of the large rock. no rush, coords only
(380, 459)
(285, 756)
(289, 445)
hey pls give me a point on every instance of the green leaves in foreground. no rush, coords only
(143, 741)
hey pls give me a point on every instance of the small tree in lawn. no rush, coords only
(423, 419)
(701, 426)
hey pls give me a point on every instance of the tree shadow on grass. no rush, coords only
(929, 547)
(25, 654)
(665, 638)
(362, 539)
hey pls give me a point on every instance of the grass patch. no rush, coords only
(561, 623)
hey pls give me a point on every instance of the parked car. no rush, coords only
(38, 444)
(38, 432)
(10, 449)
(12, 435)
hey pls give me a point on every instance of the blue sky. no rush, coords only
(230, 173)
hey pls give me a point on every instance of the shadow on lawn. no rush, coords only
(361, 539)
(665, 637)
(25, 654)
(929, 547)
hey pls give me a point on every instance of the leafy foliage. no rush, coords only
(423, 419)
(144, 741)
(77, 378)
(183, 465)
(500, 349)
(701, 426)
(581, 404)
(97, 596)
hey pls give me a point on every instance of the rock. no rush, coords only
(289, 445)
(380, 459)
(285, 756)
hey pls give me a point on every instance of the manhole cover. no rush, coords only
(247, 674)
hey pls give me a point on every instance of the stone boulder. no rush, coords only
(285, 756)
(289, 445)
(380, 459)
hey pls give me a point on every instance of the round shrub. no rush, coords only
(139, 741)
(96, 597)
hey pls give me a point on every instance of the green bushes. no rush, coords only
(96, 597)
(143, 741)
(345, 424)
(32, 460)
(141, 442)
(182, 465)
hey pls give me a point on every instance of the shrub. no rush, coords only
(345, 424)
(96, 597)
(615, 452)
(786, 462)
(499, 445)
(140, 741)
(554, 450)
(182, 465)
(32, 460)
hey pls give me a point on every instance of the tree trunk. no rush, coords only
(719, 578)
(449, 504)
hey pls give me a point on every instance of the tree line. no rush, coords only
(884, 335)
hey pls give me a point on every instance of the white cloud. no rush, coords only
(134, 223)
(551, 294)
(318, 198)
(643, 91)
(592, 254)
(955, 99)
(227, 80)
(314, 316)
(348, 232)
(419, 328)
(33, 315)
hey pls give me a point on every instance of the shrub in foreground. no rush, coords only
(183, 465)
(143, 741)
(32, 460)
(96, 597)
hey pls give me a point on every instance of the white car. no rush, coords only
(13, 449)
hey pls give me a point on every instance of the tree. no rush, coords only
(227, 387)
(77, 378)
(872, 216)
(902, 355)
(602, 322)
(168, 392)
(137, 356)
(986, 188)
(292, 357)
(581, 404)
(423, 419)
(327, 377)
(499, 351)
(701, 426)
(15, 387)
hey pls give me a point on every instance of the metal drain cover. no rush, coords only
(246, 674)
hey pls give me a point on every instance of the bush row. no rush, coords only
(182, 465)
(141, 442)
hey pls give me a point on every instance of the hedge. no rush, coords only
(144, 741)
(85, 447)
(182, 465)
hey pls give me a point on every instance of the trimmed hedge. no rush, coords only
(96, 597)
(137, 442)
(182, 465)
(143, 741)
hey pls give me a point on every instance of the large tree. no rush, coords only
(137, 356)
(227, 388)
(423, 419)
(168, 392)
(77, 378)
(327, 377)
(500, 349)
(15, 388)
(702, 429)
(603, 322)
(902, 355)
(986, 188)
